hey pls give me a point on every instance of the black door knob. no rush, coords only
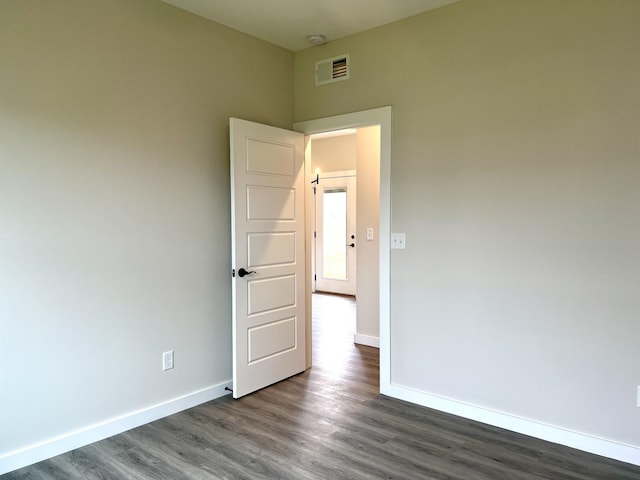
(352, 245)
(242, 272)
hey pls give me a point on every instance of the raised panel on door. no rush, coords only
(271, 339)
(271, 249)
(270, 203)
(271, 293)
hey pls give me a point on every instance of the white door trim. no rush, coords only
(377, 116)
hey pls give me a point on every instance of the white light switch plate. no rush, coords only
(369, 233)
(398, 241)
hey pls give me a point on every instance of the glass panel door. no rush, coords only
(335, 242)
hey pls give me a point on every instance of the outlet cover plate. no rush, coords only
(369, 233)
(398, 241)
(167, 360)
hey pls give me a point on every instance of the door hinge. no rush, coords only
(233, 272)
(314, 278)
(314, 234)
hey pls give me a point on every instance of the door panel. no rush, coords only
(270, 158)
(267, 210)
(270, 203)
(271, 294)
(272, 339)
(269, 249)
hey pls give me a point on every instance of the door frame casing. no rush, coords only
(382, 117)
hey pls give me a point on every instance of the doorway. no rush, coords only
(335, 228)
(334, 235)
(372, 231)
(332, 157)
(298, 339)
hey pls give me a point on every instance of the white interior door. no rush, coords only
(335, 239)
(267, 238)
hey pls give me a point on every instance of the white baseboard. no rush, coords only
(366, 340)
(99, 431)
(550, 433)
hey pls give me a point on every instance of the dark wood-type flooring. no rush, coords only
(327, 423)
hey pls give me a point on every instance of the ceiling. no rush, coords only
(287, 23)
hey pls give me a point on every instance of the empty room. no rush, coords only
(156, 262)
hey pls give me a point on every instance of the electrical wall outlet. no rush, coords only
(167, 360)
(398, 241)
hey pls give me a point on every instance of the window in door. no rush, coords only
(334, 233)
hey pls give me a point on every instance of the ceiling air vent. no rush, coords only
(332, 70)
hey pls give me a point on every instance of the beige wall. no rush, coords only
(515, 176)
(114, 204)
(368, 215)
(333, 154)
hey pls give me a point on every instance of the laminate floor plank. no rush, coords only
(203, 461)
(329, 422)
(277, 436)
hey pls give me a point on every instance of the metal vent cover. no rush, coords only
(332, 70)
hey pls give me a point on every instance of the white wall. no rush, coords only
(514, 175)
(114, 205)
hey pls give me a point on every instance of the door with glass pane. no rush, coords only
(335, 237)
